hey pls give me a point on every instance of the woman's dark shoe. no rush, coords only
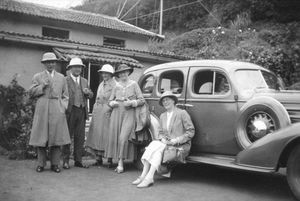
(80, 165)
(55, 168)
(110, 163)
(39, 169)
(98, 163)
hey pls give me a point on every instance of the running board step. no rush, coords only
(224, 161)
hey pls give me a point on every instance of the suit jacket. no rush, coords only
(72, 88)
(181, 128)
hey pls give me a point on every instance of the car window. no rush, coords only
(203, 82)
(272, 81)
(208, 82)
(221, 84)
(147, 85)
(249, 80)
(171, 81)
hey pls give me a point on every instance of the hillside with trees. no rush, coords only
(266, 32)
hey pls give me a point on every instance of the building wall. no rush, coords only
(21, 60)
(78, 32)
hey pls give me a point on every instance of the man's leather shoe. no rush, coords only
(79, 164)
(66, 165)
(39, 169)
(55, 168)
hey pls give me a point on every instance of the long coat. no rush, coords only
(49, 122)
(72, 88)
(97, 136)
(181, 128)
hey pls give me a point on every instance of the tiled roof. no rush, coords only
(67, 54)
(70, 15)
(172, 56)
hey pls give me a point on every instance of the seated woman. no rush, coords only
(175, 133)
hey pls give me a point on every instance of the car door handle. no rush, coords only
(184, 105)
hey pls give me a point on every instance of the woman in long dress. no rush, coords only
(125, 97)
(98, 133)
(174, 143)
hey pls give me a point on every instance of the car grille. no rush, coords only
(294, 114)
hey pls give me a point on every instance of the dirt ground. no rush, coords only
(20, 182)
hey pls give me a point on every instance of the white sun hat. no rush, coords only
(107, 68)
(75, 62)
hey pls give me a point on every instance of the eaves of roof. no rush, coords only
(66, 43)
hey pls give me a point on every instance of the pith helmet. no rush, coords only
(107, 68)
(122, 68)
(168, 94)
(75, 62)
(49, 56)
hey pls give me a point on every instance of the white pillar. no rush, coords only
(161, 16)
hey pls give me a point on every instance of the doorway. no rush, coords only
(94, 80)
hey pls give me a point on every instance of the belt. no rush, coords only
(81, 107)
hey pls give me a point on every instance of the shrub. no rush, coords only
(242, 21)
(16, 119)
(273, 46)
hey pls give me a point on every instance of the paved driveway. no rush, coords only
(20, 182)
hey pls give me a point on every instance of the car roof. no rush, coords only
(227, 65)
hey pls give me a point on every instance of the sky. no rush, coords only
(57, 3)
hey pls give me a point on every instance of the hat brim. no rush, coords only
(170, 96)
(70, 66)
(44, 61)
(103, 71)
(123, 70)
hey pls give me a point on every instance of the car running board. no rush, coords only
(224, 161)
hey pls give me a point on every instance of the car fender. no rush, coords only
(265, 153)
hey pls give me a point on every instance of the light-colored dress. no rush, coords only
(49, 125)
(181, 128)
(97, 136)
(123, 121)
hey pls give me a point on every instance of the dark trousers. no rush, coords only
(76, 124)
(54, 155)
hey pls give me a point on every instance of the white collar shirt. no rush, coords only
(75, 79)
(51, 74)
(169, 116)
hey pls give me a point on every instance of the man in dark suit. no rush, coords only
(77, 112)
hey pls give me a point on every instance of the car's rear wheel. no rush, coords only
(259, 117)
(293, 171)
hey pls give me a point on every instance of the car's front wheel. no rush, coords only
(258, 117)
(293, 171)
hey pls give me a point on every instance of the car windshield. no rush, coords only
(256, 79)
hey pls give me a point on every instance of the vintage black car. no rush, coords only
(244, 117)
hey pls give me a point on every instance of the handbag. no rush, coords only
(142, 116)
(170, 154)
(173, 154)
(141, 135)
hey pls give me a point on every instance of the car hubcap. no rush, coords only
(259, 125)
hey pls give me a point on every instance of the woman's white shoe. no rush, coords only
(137, 181)
(119, 170)
(146, 183)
